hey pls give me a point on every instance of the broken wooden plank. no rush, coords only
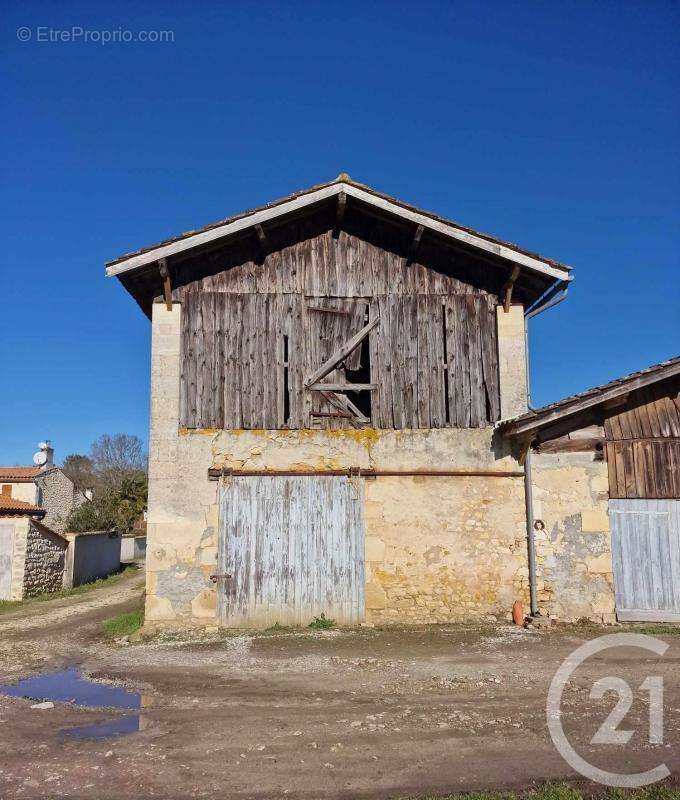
(343, 387)
(341, 354)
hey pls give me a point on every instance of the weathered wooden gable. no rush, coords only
(260, 317)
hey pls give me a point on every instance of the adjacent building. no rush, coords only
(36, 553)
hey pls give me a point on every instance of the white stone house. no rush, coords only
(35, 502)
(32, 556)
(328, 372)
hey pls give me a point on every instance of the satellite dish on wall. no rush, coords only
(40, 458)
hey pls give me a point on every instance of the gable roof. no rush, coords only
(11, 507)
(19, 474)
(531, 422)
(361, 192)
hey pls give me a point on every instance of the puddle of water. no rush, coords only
(122, 726)
(69, 686)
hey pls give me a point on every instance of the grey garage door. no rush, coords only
(646, 556)
(290, 548)
(6, 555)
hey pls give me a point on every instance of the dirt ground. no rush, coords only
(365, 713)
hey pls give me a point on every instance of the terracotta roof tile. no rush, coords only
(11, 507)
(19, 474)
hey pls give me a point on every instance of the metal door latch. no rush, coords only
(220, 576)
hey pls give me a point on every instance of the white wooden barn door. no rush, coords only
(6, 558)
(646, 557)
(290, 548)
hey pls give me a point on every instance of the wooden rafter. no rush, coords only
(167, 285)
(415, 244)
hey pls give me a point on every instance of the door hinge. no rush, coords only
(220, 576)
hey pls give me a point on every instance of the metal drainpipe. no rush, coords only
(529, 494)
(531, 541)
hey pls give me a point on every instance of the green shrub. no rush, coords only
(322, 623)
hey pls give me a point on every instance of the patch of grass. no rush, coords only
(659, 629)
(322, 623)
(15, 605)
(563, 791)
(123, 624)
(277, 627)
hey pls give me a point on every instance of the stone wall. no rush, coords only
(437, 548)
(44, 561)
(575, 579)
(58, 496)
(19, 536)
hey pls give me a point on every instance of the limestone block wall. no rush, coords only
(575, 578)
(44, 561)
(438, 549)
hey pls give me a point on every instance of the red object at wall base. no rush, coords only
(517, 613)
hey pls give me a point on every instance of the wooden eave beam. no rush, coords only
(508, 287)
(167, 285)
(339, 213)
(415, 244)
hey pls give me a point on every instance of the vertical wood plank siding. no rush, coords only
(646, 559)
(433, 359)
(643, 445)
(293, 548)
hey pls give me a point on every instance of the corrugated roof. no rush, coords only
(19, 474)
(618, 386)
(11, 507)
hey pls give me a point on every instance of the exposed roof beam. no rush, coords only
(415, 244)
(339, 214)
(507, 289)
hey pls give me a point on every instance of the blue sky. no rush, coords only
(553, 125)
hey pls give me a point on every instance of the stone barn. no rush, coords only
(327, 375)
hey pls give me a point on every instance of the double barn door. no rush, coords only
(290, 548)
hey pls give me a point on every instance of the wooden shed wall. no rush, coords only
(643, 444)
